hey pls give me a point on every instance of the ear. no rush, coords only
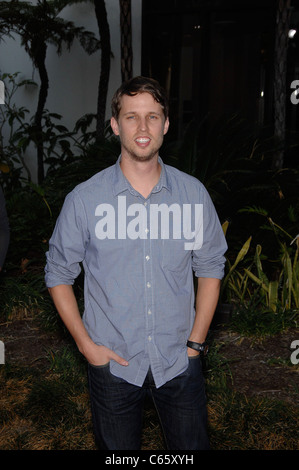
(114, 126)
(166, 126)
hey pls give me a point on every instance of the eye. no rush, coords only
(153, 117)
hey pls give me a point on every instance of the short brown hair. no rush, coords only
(140, 85)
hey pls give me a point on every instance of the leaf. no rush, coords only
(239, 258)
(258, 263)
(256, 279)
(242, 252)
(273, 295)
(255, 210)
(225, 226)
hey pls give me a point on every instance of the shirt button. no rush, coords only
(147, 257)
(149, 338)
(149, 312)
(148, 284)
(145, 203)
(146, 230)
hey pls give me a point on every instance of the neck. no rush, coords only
(142, 176)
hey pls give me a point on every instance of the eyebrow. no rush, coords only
(150, 112)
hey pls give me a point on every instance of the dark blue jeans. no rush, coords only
(117, 409)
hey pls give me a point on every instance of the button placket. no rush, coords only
(149, 321)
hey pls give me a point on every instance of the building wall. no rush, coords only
(74, 75)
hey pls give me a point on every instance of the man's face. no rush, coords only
(141, 126)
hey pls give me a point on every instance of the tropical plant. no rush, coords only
(89, 157)
(234, 284)
(39, 25)
(284, 288)
(17, 132)
(269, 288)
(278, 285)
(13, 118)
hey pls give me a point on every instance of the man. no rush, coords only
(139, 291)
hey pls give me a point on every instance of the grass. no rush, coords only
(46, 406)
(20, 297)
(239, 423)
(46, 410)
(50, 411)
(253, 318)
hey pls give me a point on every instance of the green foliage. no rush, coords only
(240, 423)
(38, 25)
(255, 319)
(30, 225)
(216, 370)
(69, 365)
(13, 118)
(49, 399)
(55, 137)
(238, 285)
(20, 297)
(284, 289)
(91, 157)
(22, 133)
(266, 300)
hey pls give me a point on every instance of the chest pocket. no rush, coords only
(174, 255)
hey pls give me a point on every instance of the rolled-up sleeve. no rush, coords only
(209, 260)
(67, 244)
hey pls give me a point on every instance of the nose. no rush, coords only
(143, 123)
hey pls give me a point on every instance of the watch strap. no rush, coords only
(201, 347)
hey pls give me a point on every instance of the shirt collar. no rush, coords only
(120, 182)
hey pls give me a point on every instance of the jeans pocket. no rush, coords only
(101, 366)
(194, 357)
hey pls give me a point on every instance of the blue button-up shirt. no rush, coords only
(139, 256)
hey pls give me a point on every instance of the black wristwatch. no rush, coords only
(201, 347)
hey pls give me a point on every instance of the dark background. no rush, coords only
(216, 58)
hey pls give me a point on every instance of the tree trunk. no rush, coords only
(39, 60)
(101, 15)
(126, 40)
(280, 68)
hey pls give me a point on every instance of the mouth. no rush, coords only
(142, 141)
